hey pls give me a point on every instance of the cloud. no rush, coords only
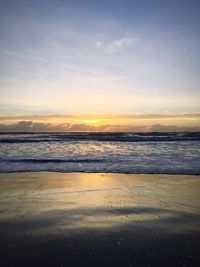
(115, 45)
(123, 42)
(101, 116)
(30, 126)
(172, 128)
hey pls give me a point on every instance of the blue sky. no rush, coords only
(76, 57)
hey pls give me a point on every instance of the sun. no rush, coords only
(92, 121)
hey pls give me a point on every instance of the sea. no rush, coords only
(156, 153)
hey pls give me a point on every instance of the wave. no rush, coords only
(103, 137)
(77, 152)
(88, 165)
(54, 160)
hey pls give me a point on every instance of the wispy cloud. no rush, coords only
(103, 116)
(115, 45)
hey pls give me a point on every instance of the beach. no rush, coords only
(99, 219)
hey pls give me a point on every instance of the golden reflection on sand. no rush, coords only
(62, 203)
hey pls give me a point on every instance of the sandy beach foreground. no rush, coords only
(77, 219)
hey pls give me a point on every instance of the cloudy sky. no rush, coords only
(99, 57)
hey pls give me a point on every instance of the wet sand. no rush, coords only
(76, 219)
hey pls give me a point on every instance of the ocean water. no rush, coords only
(173, 153)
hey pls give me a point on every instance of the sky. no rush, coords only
(100, 57)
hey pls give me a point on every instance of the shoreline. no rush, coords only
(99, 219)
(101, 172)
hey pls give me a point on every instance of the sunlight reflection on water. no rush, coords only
(97, 156)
